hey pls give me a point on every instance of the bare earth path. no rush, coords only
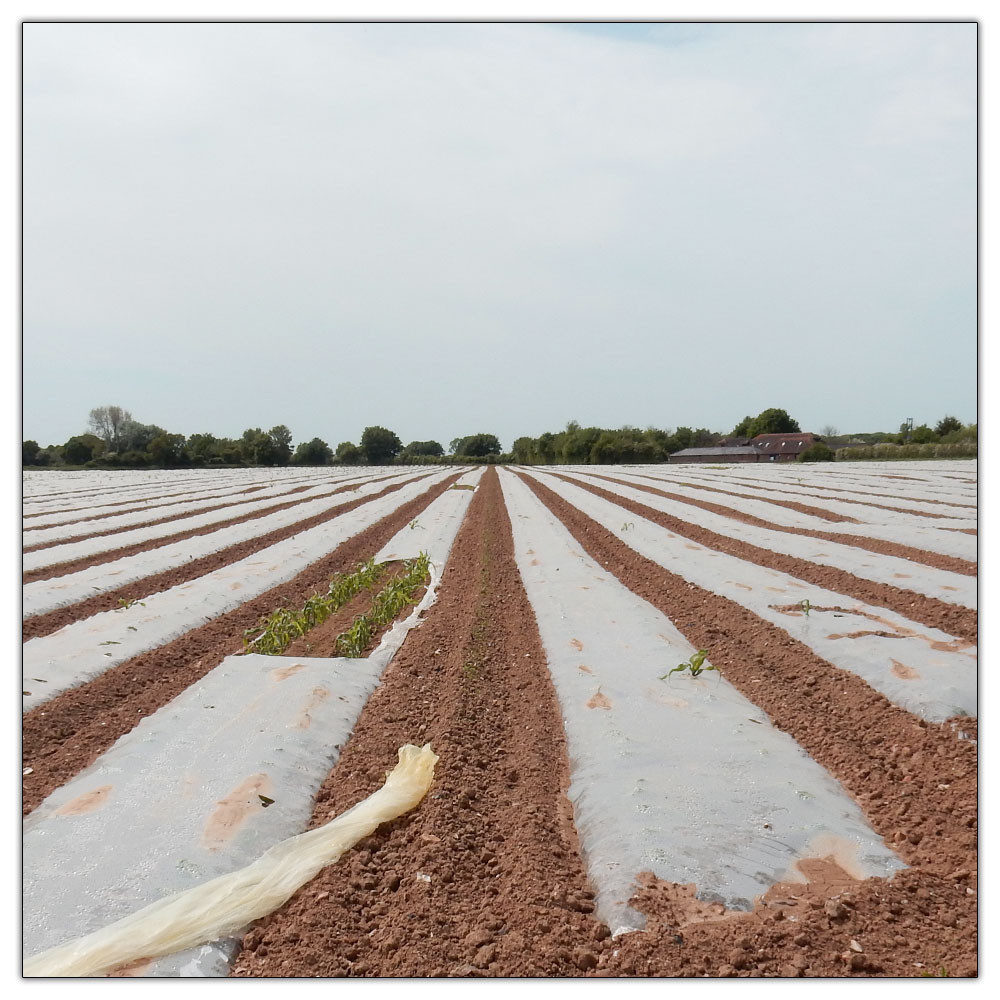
(485, 878)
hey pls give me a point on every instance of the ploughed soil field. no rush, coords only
(689, 721)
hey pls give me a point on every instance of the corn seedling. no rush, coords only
(627, 525)
(126, 603)
(695, 664)
(415, 524)
(386, 605)
(276, 631)
(805, 605)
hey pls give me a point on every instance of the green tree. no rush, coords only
(76, 451)
(772, 421)
(577, 443)
(523, 451)
(29, 452)
(315, 452)
(134, 436)
(82, 448)
(203, 447)
(741, 430)
(625, 446)
(947, 425)
(431, 448)
(682, 438)
(545, 448)
(922, 435)
(819, 451)
(257, 447)
(281, 445)
(349, 454)
(167, 450)
(379, 445)
(478, 446)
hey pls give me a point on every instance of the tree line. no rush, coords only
(114, 439)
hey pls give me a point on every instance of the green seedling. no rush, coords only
(627, 525)
(276, 631)
(415, 524)
(805, 605)
(695, 664)
(386, 606)
(110, 642)
(124, 603)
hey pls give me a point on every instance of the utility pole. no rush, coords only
(909, 429)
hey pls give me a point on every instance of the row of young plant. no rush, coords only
(275, 632)
(386, 605)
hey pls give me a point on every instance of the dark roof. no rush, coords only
(783, 444)
(732, 449)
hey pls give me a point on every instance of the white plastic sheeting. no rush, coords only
(767, 501)
(435, 529)
(909, 530)
(134, 527)
(952, 588)
(231, 901)
(186, 784)
(128, 490)
(822, 487)
(83, 650)
(917, 667)
(58, 592)
(685, 778)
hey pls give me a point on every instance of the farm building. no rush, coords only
(782, 447)
(763, 448)
(720, 453)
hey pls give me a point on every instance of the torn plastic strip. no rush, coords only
(224, 905)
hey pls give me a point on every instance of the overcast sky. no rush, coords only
(447, 229)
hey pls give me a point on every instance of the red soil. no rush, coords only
(486, 878)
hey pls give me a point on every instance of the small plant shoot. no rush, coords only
(695, 664)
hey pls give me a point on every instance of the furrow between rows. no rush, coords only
(69, 731)
(953, 619)
(905, 552)
(207, 783)
(485, 878)
(146, 519)
(65, 559)
(906, 773)
(733, 819)
(140, 583)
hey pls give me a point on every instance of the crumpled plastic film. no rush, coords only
(224, 905)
